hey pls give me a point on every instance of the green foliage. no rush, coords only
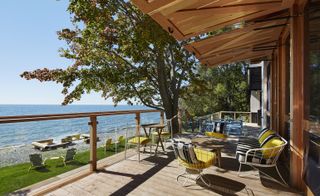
(122, 53)
(17, 176)
(225, 89)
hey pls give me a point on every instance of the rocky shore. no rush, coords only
(20, 154)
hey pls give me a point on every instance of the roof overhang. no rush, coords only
(263, 20)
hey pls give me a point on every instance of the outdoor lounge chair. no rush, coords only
(194, 160)
(142, 141)
(36, 161)
(263, 151)
(108, 145)
(48, 144)
(69, 156)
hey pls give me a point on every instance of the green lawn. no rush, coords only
(16, 176)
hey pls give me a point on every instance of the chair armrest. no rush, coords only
(63, 159)
(253, 152)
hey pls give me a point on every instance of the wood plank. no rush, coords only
(243, 57)
(225, 10)
(240, 19)
(158, 177)
(235, 33)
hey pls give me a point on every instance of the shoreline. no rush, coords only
(17, 154)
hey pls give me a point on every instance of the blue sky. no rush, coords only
(28, 41)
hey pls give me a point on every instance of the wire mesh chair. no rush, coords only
(265, 157)
(194, 161)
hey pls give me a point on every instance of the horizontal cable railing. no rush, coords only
(93, 122)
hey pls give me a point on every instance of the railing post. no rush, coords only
(234, 116)
(162, 117)
(179, 120)
(220, 115)
(138, 132)
(93, 143)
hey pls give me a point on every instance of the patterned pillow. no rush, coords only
(271, 142)
(185, 152)
(264, 134)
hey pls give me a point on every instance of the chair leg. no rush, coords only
(150, 150)
(186, 177)
(239, 169)
(281, 176)
(125, 151)
(203, 179)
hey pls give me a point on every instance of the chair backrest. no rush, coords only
(70, 154)
(219, 126)
(273, 147)
(184, 152)
(36, 159)
(121, 138)
(108, 142)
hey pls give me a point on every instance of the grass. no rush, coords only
(17, 176)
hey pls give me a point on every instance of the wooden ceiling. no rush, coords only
(264, 21)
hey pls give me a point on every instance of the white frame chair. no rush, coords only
(257, 152)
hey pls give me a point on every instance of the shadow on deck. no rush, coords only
(156, 175)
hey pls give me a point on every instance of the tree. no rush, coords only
(225, 88)
(122, 53)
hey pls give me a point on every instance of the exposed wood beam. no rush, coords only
(250, 40)
(243, 57)
(173, 6)
(239, 19)
(146, 7)
(181, 14)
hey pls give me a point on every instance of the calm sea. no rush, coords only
(24, 133)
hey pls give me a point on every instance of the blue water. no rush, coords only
(24, 133)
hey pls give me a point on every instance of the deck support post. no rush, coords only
(161, 117)
(93, 143)
(138, 133)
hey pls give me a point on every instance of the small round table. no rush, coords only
(210, 144)
(146, 126)
(159, 129)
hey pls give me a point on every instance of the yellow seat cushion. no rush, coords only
(265, 135)
(162, 133)
(143, 140)
(205, 158)
(273, 142)
(216, 135)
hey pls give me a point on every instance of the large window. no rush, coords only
(312, 167)
(314, 65)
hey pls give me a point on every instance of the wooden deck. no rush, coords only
(157, 176)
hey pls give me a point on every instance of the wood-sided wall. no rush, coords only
(279, 113)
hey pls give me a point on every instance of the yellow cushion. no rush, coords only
(162, 133)
(143, 140)
(274, 142)
(216, 135)
(205, 158)
(265, 135)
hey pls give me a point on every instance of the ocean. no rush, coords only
(18, 134)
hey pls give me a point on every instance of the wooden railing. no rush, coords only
(92, 123)
(234, 115)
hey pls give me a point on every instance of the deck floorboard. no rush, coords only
(157, 176)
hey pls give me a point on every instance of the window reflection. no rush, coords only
(314, 64)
